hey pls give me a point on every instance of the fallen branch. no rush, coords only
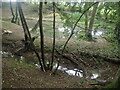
(73, 60)
(101, 83)
(78, 59)
(108, 59)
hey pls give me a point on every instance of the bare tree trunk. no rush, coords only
(86, 18)
(53, 35)
(16, 17)
(92, 20)
(12, 21)
(41, 34)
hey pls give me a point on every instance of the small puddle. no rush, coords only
(62, 29)
(95, 75)
(7, 32)
(3, 52)
(98, 33)
(73, 72)
(6, 54)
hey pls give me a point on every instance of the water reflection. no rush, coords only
(21, 58)
(66, 30)
(95, 75)
(62, 29)
(97, 33)
(78, 72)
(74, 72)
(3, 52)
(7, 32)
(6, 54)
(37, 65)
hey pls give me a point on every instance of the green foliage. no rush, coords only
(31, 8)
(81, 36)
(110, 37)
(18, 64)
(69, 18)
(107, 11)
(84, 37)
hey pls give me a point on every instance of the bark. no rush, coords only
(41, 34)
(12, 21)
(92, 20)
(86, 16)
(16, 17)
(24, 24)
(53, 50)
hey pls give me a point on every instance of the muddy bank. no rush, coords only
(24, 72)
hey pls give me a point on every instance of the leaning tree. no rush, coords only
(28, 41)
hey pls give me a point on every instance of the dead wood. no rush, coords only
(79, 59)
(75, 60)
(105, 58)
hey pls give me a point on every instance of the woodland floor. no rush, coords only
(22, 73)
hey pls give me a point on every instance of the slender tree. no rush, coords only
(92, 20)
(53, 50)
(16, 17)
(41, 34)
(86, 17)
(13, 15)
